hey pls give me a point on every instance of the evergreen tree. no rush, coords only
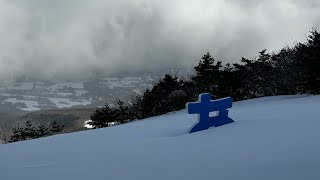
(191, 90)
(257, 77)
(55, 127)
(146, 105)
(121, 113)
(207, 74)
(29, 130)
(42, 130)
(246, 73)
(17, 134)
(102, 117)
(289, 72)
(266, 75)
(166, 85)
(134, 109)
(177, 100)
(161, 98)
(309, 55)
(230, 83)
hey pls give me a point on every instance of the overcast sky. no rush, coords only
(78, 38)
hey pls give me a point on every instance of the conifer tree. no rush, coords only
(121, 113)
(42, 130)
(207, 74)
(29, 130)
(310, 57)
(289, 72)
(146, 104)
(135, 107)
(230, 83)
(55, 127)
(160, 99)
(17, 134)
(102, 117)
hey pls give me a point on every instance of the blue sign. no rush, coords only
(204, 106)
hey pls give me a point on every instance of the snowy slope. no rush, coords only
(272, 138)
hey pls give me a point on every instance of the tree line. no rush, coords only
(29, 131)
(292, 70)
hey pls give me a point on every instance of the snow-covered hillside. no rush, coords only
(272, 138)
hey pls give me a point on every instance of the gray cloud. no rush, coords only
(80, 38)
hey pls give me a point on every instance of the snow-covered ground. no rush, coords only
(272, 138)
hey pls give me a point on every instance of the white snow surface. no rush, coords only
(87, 125)
(273, 138)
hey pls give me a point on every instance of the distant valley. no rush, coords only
(70, 103)
(33, 96)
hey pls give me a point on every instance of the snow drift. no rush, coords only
(272, 138)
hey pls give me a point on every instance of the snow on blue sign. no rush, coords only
(204, 106)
